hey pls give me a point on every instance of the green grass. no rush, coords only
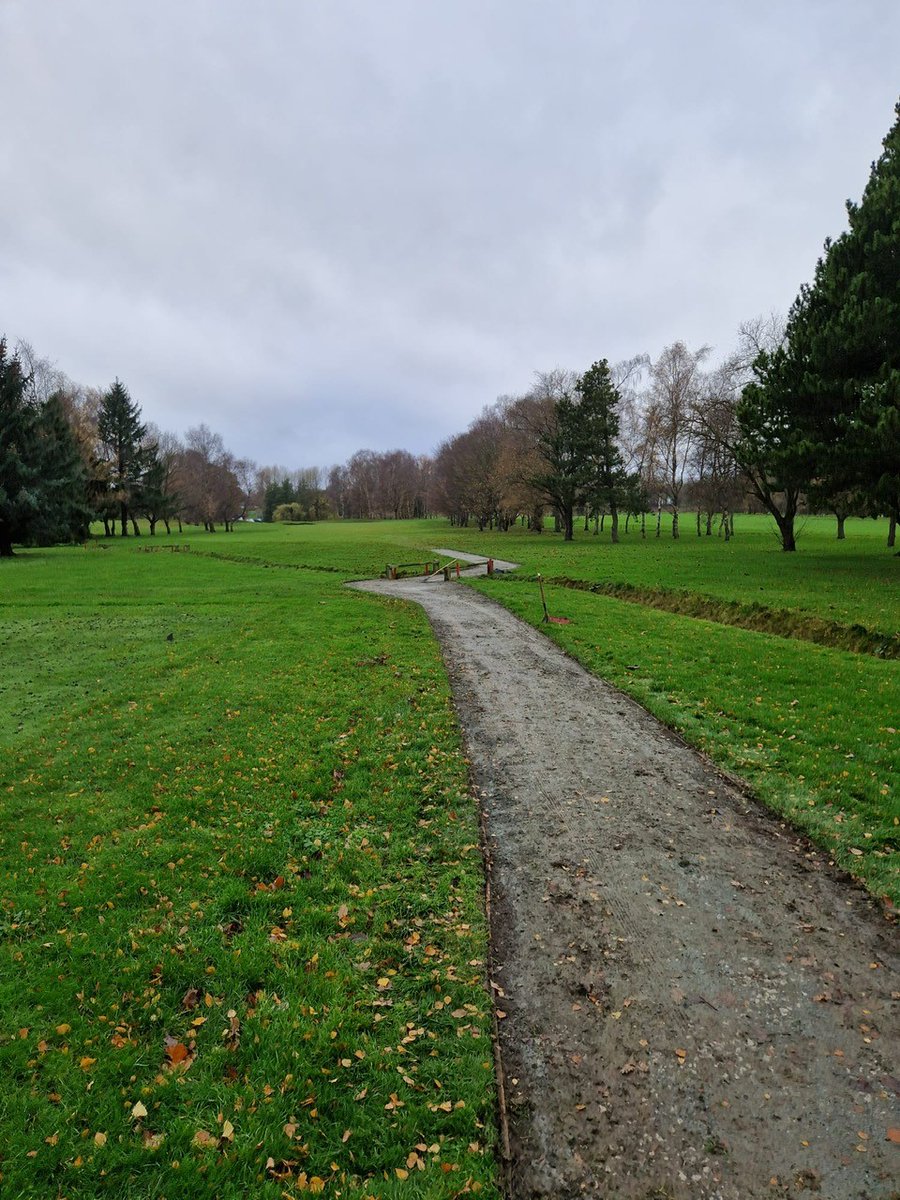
(268, 816)
(243, 948)
(813, 730)
(856, 581)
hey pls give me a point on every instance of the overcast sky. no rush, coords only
(321, 225)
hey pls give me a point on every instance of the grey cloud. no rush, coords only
(322, 226)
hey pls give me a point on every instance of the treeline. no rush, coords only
(73, 455)
(803, 416)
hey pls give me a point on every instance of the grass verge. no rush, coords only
(811, 729)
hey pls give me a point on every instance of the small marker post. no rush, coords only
(546, 620)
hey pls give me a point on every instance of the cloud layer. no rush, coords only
(319, 226)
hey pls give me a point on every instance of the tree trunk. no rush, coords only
(840, 527)
(166, 523)
(675, 521)
(892, 531)
(658, 520)
(709, 519)
(180, 527)
(785, 525)
(569, 519)
(699, 530)
(6, 550)
(123, 517)
(726, 526)
(614, 524)
(134, 526)
(152, 522)
(643, 524)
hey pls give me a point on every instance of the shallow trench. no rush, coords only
(695, 1004)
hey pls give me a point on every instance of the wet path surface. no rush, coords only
(696, 1006)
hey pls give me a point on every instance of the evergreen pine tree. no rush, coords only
(854, 343)
(64, 514)
(121, 433)
(599, 418)
(19, 455)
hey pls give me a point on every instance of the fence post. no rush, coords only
(490, 566)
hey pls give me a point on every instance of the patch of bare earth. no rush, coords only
(695, 1004)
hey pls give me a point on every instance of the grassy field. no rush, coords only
(243, 949)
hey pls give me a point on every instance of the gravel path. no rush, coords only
(695, 1005)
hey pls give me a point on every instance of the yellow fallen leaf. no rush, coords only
(86, 1063)
(99, 1139)
(138, 1110)
(401, 1173)
(63, 1029)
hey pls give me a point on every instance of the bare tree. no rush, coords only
(676, 380)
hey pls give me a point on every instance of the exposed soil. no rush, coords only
(695, 1004)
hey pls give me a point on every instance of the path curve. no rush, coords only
(696, 1006)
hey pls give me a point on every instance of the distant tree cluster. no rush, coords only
(803, 416)
(70, 456)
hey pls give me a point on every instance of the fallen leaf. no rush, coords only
(176, 1052)
(893, 1135)
(203, 1138)
(99, 1139)
(138, 1110)
(152, 1141)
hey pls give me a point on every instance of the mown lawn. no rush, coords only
(856, 581)
(243, 950)
(814, 731)
(243, 947)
